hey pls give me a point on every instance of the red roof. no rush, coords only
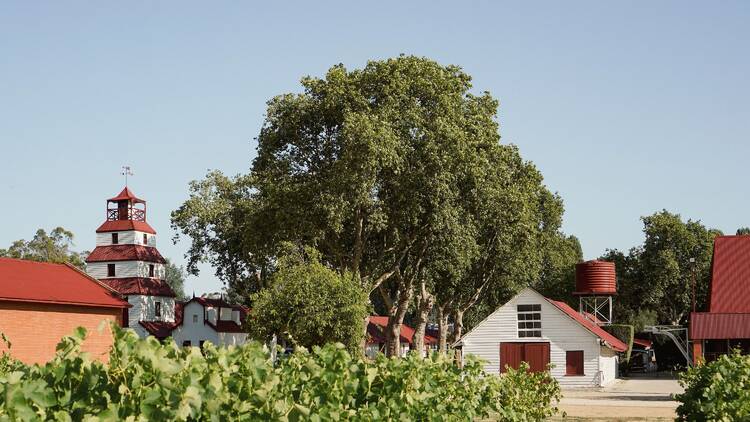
(159, 329)
(126, 195)
(643, 343)
(125, 253)
(407, 332)
(710, 326)
(611, 340)
(125, 225)
(29, 281)
(730, 278)
(139, 286)
(224, 326)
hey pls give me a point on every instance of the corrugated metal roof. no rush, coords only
(730, 275)
(125, 225)
(125, 253)
(126, 195)
(29, 281)
(407, 332)
(139, 286)
(710, 325)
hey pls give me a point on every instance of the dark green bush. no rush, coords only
(147, 380)
(717, 391)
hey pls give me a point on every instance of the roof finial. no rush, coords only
(126, 171)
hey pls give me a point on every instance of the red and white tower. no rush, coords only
(126, 259)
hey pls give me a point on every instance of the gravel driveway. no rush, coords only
(637, 398)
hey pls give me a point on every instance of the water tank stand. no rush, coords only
(678, 334)
(597, 309)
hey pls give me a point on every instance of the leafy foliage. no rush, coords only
(54, 246)
(148, 380)
(658, 275)
(716, 391)
(308, 304)
(175, 277)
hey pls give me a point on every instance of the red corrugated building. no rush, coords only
(726, 324)
(42, 302)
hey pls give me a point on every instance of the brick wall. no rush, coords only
(34, 329)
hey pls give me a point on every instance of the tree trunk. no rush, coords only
(395, 319)
(424, 305)
(442, 330)
(458, 325)
(363, 342)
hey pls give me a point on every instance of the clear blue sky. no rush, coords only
(626, 108)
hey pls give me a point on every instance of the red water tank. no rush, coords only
(595, 278)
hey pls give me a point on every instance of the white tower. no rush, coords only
(126, 259)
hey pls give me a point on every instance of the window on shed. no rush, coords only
(186, 343)
(157, 309)
(115, 239)
(110, 270)
(529, 320)
(145, 239)
(195, 318)
(574, 362)
(150, 270)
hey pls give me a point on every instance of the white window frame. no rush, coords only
(529, 320)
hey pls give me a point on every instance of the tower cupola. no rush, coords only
(126, 206)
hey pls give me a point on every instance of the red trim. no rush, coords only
(613, 341)
(125, 252)
(139, 286)
(126, 195)
(125, 225)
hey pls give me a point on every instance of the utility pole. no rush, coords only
(692, 270)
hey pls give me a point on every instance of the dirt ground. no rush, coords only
(631, 399)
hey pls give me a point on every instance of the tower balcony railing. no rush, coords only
(134, 214)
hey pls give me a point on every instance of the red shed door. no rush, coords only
(537, 356)
(511, 355)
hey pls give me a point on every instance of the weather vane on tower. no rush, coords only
(126, 171)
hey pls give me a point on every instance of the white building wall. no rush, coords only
(124, 269)
(608, 362)
(225, 314)
(129, 237)
(196, 331)
(144, 309)
(558, 329)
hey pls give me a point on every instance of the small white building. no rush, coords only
(209, 319)
(540, 331)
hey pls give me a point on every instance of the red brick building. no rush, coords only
(726, 324)
(42, 302)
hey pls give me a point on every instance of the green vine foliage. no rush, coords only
(716, 391)
(147, 380)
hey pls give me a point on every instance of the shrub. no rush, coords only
(717, 391)
(147, 380)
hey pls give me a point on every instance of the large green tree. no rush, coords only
(55, 246)
(657, 277)
(387, 171)
(309, 304)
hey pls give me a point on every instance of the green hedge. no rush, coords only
(717, 391)
(147, 380)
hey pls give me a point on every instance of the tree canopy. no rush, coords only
(395, 173)
(657, 276)
(309, 304)
(175, 277)
(55, 246)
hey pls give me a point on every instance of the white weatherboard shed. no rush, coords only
(538, 330)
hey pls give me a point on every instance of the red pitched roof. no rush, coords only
(125, 225)
(159, 329)
(730, 278)
(407, 332)
(712, 326)
(611, 340)
(125, 194)
(139, 286)
(224, 326)
(643, 343)
(29, 281)
(125, 253)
